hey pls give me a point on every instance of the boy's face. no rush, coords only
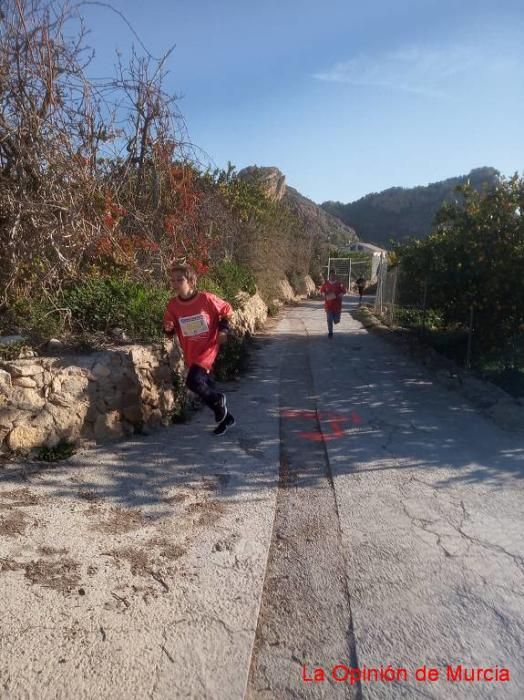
(181, 285)
(332, 276)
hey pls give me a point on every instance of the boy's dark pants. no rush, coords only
(199, 381)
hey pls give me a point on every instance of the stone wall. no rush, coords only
(251, 315)
(305, 287)
(105, 395)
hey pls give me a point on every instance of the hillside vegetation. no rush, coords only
(100, 191)
(399, 213)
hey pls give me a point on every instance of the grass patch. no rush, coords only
(63, 450)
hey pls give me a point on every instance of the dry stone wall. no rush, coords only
(98, 397)
(102, 396)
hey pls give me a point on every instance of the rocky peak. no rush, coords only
(272, 181)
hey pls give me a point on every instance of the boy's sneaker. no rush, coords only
(221, 409)
(221, 428)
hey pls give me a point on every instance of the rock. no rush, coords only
(101, 371)
(27, 399)
(141, 358)
(112, 398)
(25, 437)
(270, 179)
(49, 416)
(20, 368)
(54, 344)
(153, 417)
(108, 426)
(251, 314)
(74, 385)
(167, 402)
(10, 416)
(286, 291)
(133, 413)
(306, 286)
(5, 382)
(68, 422)
(150, 396)
(119, 334)
(24, 354)
(65, 401)
(26, 382)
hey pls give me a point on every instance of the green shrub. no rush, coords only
(231, 359)
(41, 318)
(12, 351)
(413, 317)
(104, 303)
(227, 279)
(207, 283)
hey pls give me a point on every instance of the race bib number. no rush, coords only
(192, 326)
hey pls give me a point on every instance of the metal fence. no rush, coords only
(349, 271)
(458, 340)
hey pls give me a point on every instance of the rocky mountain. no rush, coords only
(399, 213)
(319, 222)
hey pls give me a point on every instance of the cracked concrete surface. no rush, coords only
(430, 500)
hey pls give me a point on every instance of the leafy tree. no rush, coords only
(474, 259)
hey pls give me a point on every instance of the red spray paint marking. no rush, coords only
(335, 421)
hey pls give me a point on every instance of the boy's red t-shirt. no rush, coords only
(196, 325)
(335, 304)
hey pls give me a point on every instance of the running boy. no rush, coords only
(333, 292)
(201, 322)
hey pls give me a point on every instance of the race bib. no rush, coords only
(192, 326)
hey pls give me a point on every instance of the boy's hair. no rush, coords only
(188, 272)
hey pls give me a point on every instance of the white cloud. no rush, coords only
(419, 70)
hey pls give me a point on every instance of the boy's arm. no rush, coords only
(224, 311)
(223, 330)
(170, 323)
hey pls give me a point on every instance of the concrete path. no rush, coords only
(173, 566)
(429, 497)
(136, 571)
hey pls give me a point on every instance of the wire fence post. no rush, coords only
(380, 286)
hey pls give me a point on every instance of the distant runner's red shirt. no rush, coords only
(335, 304)
(196, 325)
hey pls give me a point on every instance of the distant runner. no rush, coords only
(333, 292)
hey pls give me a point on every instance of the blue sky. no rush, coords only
(345, 97)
